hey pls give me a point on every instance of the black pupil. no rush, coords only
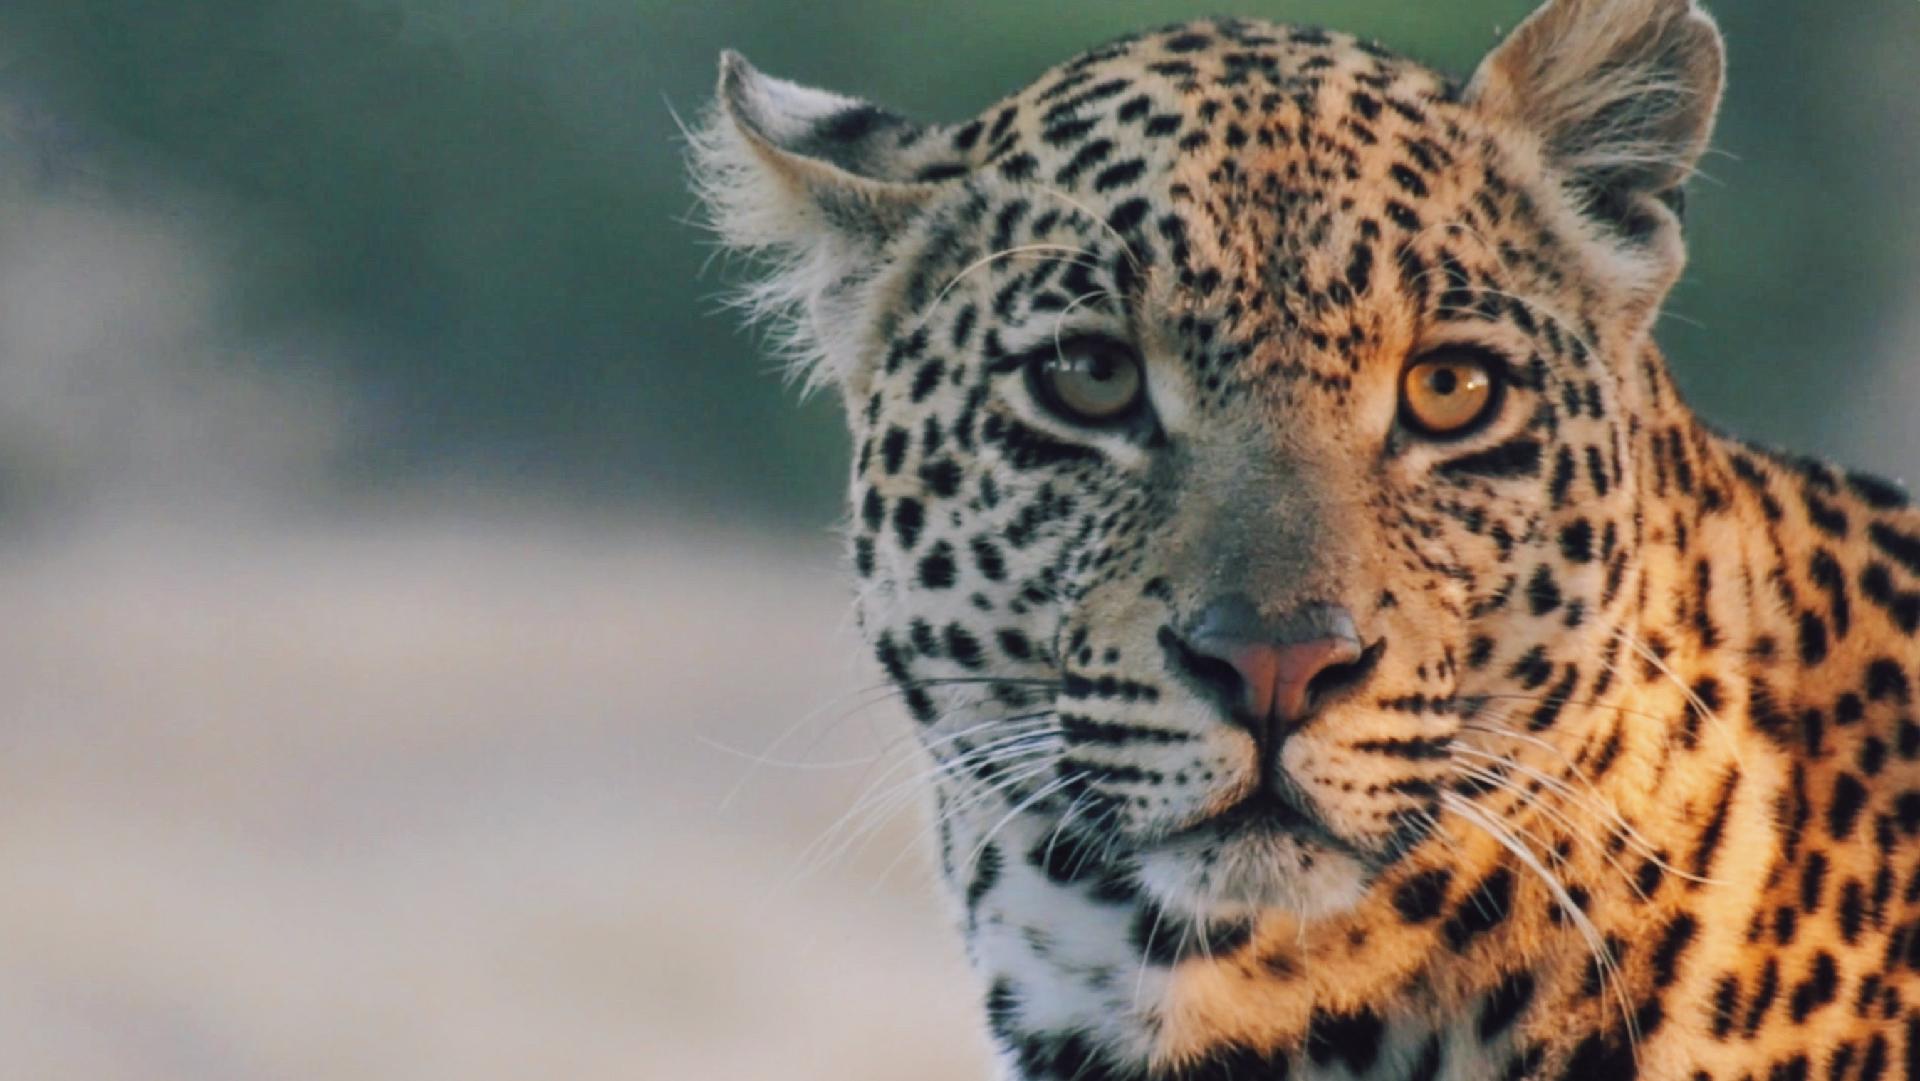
(1099, 368)
(1444, 381)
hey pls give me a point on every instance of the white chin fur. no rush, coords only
(1249, 873)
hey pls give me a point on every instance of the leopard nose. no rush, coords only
(1271, 674)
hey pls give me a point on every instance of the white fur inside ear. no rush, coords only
(1616, 88)
(1619, 97)
(765, 202)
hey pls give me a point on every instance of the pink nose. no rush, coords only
(1269, 673)
(1276, 681)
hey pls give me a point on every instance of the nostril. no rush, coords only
(1213, 675)
(1335, 678)
(1219, 677)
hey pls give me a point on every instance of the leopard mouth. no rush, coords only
(1267, 813)
(1263, 812)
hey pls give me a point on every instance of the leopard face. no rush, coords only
(1331, 632)
(1152, 353)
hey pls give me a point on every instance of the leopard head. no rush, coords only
(1241, 416)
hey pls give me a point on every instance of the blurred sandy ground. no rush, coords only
(292, 787)
(444, 798)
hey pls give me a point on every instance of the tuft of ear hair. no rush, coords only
(816, 184)
(1622, 94)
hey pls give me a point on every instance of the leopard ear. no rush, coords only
(1622, 94)
(816, 183)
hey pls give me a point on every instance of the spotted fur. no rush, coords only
(1631, 786)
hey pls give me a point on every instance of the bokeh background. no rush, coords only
(423, 651)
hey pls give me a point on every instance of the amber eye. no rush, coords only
(1450, 391)
(1092, 381)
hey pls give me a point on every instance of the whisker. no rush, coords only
(1061, 322)
(1066, 818)
(1016, 731)
(860, 699)
(1569, 700)
(780, 763)
(1594, 802)
(877, 803)
(951, 681)
(1103, 820)
(1022, 765)
(1001, 787)
(1647, 654)
(1592, 799)
(1133, 259)
(987, 838)
(1091, 263)
(1537, 307)
(1596, 944)
(806, 718)
(1146, 952)
(1536, 802)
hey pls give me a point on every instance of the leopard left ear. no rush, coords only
(817, 183)
(1621, 93)
(814, 161)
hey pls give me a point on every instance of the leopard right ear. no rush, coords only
(1621, 93)
(816, 183)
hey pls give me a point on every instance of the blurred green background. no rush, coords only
(486, 198)
(426, 653)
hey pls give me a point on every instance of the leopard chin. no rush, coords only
(1252, 870)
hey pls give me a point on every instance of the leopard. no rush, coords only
(1337, 649)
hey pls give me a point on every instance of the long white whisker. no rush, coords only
(1060, 323)
(1001, 786)
(1533, 800)
(1024, 765)
(1647, 654)
(1596, 944)
(1014, 737)
(1133, 259)
(857, 700)
(1011, 730)
(987, 838)
(878, 803)
(806, 718)
(1593, 802)
(771, 762)
(1005, 253)
(1146, 952)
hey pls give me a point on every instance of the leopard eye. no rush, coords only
(1091, 381)
(1449, 392)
